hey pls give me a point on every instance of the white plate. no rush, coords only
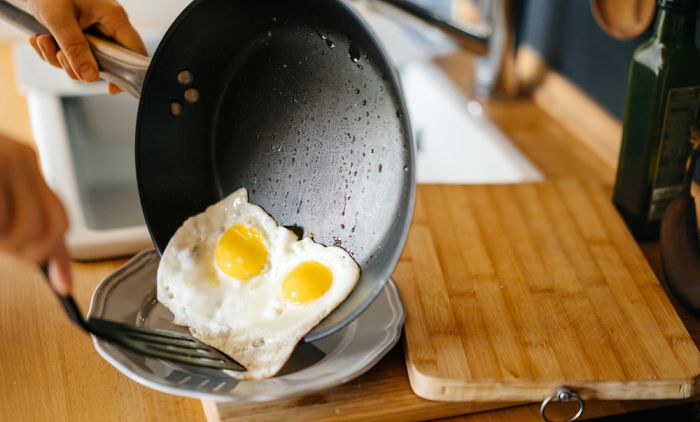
(129, 295)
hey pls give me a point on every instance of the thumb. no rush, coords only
(59, 271)
(70, 38)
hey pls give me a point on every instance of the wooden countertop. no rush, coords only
(50, 371)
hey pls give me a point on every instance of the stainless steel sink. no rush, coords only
(455, 141)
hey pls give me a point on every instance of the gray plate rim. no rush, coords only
(393, 327)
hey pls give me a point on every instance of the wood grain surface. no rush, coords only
(511, 291)
(599, 130)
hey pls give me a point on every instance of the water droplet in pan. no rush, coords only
(354, 53)
(329, 42)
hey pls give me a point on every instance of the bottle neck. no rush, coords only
(674, 27)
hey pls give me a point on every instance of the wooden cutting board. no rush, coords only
(514, 290)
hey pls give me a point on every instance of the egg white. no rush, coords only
(248, 320)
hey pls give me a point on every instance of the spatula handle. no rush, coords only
(67, 301)
(118, 65)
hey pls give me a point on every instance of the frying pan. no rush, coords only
(294, 100)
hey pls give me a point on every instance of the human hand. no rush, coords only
(67, 46)
(32, 219)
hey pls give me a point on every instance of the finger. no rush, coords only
(72, 42)
(59, 219)
(113, 22)
(60, 272)
(113, 89)
(5, 205)
(35, 46)
(28, 214)
(49, 48)
(16, 238)
(53, 230)
(6, 200)
(66, 66)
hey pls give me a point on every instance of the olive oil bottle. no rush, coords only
(663, 95)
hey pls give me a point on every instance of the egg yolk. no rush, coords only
(241, 252)
(307, 282)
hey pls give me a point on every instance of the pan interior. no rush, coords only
(297, 104)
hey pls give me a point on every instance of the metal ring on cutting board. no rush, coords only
(563, 394)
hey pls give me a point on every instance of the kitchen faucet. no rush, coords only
(492, 39)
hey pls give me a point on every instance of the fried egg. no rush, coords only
(250, 287)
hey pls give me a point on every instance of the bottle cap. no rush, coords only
(679, 5)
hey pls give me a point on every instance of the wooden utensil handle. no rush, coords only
(118, 65)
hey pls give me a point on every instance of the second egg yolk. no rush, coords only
(306, 282)
(241, 252)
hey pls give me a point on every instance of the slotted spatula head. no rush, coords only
(164, 344)
(170, 345)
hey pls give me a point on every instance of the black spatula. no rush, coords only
(164, 344)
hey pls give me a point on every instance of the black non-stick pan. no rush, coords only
(294, 100)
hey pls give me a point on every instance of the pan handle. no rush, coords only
(118, 65)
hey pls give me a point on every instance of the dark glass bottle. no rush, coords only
(663, 95)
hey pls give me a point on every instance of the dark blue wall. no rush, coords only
(567, 36)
